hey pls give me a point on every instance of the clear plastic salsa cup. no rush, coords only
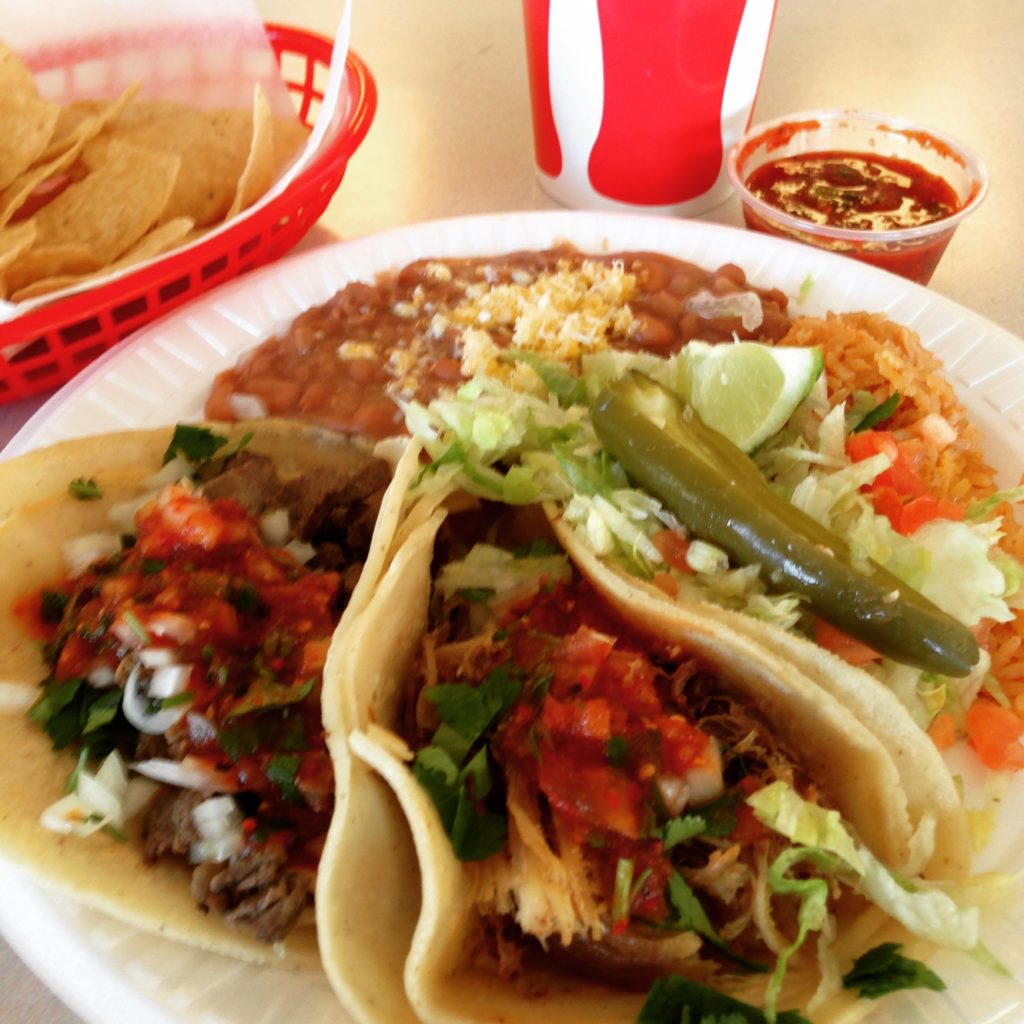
(912, 252)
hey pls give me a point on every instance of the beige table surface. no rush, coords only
(452, 136)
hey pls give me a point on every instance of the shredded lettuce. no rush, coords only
(930, 913)
(500, 572)
(783, 810)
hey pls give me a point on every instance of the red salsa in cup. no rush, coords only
(857, 191)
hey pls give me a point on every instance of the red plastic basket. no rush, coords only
(56, 341)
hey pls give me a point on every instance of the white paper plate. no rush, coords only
(108, 972)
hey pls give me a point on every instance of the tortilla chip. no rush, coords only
(14, 242)
(260, 167)
(290, 136)
(51, 261)
(160, 240)
(81, 121)
(213, 146)
(114, 206)
(153, 243)
(58, 158)
(26, 124)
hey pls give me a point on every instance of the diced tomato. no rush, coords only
(943, 730)
(835, 640)
(994, 732)
(749, 829)
(629, 678)
(908, 516)
(682, 745)
(594, 795)
(586, 719)
(314, 655)
(902, 475)
(672, 546)
(578, 657)
(923, 509)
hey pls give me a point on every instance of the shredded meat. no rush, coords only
(168, 826)
(254, 892)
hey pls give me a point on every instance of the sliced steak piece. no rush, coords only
(249, 478)
(254, 892)
(168, 826)
(317, 497)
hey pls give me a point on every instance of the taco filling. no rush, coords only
(185, 660)
(619, 806)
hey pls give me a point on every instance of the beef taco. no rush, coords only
(560, 790)
(172, 768)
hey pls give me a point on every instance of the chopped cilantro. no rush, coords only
(458, 780)
(884, 969)
(102, 710)
(675, 1000)
(617, 750)
(84, 490)
(151, 566)
(690, 916)
(476, 595)
(51, 605)
(194, 444)
(70, 710)
(679, 830)
(472, 710)
(720, 815)
(880, 413)
(266, 693)
(282, 770)
(247, 599)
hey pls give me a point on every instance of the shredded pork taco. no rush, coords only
(169, 600)
(561, 789)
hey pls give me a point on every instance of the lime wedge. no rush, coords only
(744, 390)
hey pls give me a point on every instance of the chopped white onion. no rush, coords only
(157, 657)
(274, 527)
(191, 773)
(745, 305)
(101, 677)
(169, 681)
(247, 407)
(99, 800)
(300, 551)
(171, 624)
(122, 513)
(135, 703)
(219, 823)
(130, 634)
(200, 729)
(177, 469)
(69, 816)
(81, 552)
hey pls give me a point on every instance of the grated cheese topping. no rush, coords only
(559, 315)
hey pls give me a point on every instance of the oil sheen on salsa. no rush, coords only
(858, 191)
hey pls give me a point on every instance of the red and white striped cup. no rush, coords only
(636, 102)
